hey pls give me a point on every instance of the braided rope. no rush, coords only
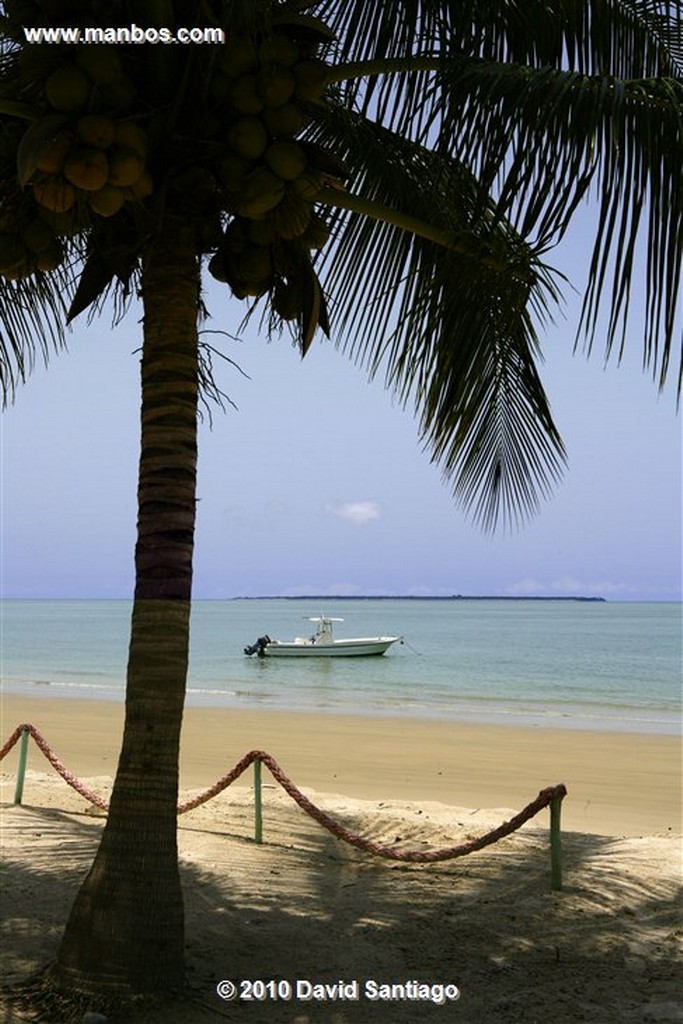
(45, 749)
(544, 798)
(225, 781)
(413, 856)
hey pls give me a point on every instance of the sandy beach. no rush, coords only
(305, 907)
(619, 783)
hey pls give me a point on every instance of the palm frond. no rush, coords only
(626, 38)
(32, 318)
(542, 99)
(548, 135)
(450, 327)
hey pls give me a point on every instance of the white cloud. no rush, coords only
(356, 512)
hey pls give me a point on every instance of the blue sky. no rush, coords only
(317, 483)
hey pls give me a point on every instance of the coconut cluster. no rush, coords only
(27, 243)
(270, 179)
(82, 157)
(238, 167)
(96, 157)
(101, 162)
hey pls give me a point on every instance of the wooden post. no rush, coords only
(258, 816)
(555, 844)
(21, 768)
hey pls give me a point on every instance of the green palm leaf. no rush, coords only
(32, 317)
(541, 100)
(625, 38)
(461, 343)
(555, 132)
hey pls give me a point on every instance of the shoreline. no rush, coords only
(625, 784)
(561, 716)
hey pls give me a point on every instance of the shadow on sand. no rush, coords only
(304, 906)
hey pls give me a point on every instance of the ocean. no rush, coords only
(565, 664)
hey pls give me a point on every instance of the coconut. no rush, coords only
(286, 159)
(96, 130)
(239, 56)
(254, 265)
(100, 63)
(291, 217)
(52, 159)
(142, 188)
(317, 233)
(130, 135)
(51, 257)
(87, 169)
(37, 235)
(278, 49)
(67, 89)
(54, 193)
(307, 185)
(239, 289)
(17, 272)
(262, 192)
(310, 78)
(287, 120)
(248, 137)
(107, 201)
(218, 267)
(125, 166)
(244, 95)
(275, 86)
(245, 289)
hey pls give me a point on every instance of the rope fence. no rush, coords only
(550, 797)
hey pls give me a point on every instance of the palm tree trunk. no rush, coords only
(125, 932)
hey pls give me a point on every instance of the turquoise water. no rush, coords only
(571, 664)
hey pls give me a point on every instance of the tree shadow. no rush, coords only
(303, 906)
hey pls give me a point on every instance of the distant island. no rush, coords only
(411, 597)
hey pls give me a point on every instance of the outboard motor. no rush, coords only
(259, 647)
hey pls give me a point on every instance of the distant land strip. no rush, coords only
(409, 597)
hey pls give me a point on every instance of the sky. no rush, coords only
(317, 483)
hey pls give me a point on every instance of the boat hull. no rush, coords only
(361, 647)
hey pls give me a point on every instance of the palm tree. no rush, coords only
(396, 169)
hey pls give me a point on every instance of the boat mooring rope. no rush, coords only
(544, 798)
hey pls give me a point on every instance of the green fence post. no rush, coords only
(555, 844)
(258, 816)
(21, 768)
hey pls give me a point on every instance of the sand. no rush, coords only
(305, 908)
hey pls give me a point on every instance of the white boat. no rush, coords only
(323, 644)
